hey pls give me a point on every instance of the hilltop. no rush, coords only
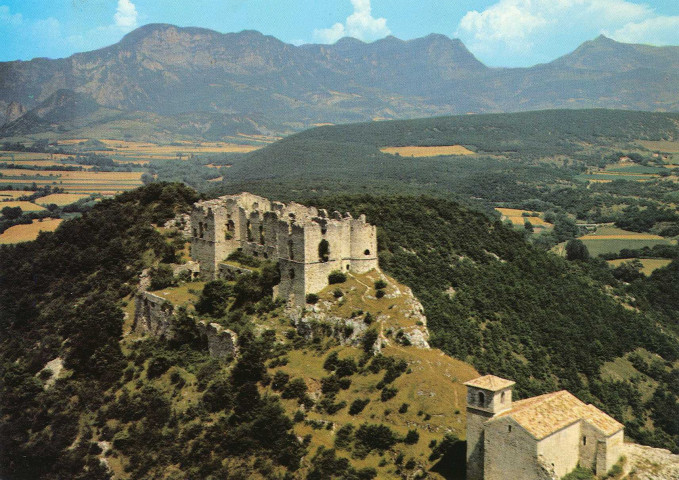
(242, 83)
(490, 301)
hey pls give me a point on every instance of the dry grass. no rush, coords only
(649, 264)
(27, 233)
(25, 206)
(61, 199)
(428, 151)
(662, 145)
(110, 176)
(611, 233)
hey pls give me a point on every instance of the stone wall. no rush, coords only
(222, 342)
(510, 452)
(561, 450)
(231, 272)
(152, 315)
(290, 234)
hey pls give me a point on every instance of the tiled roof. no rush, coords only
(543, 415)
(490, 382)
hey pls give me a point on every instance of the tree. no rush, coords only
(576, 250)
(11, 213)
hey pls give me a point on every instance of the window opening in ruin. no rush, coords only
(290, 227)
(502, 397)
(291, 273)
(200, 226)
(195, 232)
(584, 440)
(230, 226)
(366, 252)
(261, 234)
(291, 253)
(324, 230)
(323, 251)
(348, 266)
(482, 399)
(509, 428)
(249, 231)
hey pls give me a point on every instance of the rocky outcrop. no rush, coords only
(181, 222)
(13, 111)
(648, 463)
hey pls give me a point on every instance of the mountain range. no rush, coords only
(201, 82)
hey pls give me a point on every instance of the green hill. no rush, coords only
(153, 408)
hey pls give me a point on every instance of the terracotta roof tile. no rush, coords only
(490, 382)
(543, 415)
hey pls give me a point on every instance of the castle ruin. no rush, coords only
(307, 243)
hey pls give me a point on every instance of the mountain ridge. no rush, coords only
(283, 88)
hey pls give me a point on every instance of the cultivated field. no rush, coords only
(25, 206)
(649, 264)
(61, 199)
(13, 194)
(428, 151)
(29, 232)
(610, 239)
(516, 217)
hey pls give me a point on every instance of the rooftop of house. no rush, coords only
(490, 382)
(545, 414)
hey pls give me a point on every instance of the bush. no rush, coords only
(403, 408)
(379, 293)
(214, 299)
(280, 380)
(295, 389)
(337, 293)
(358, 405)
(161, 277)
(412, 437)
(311, 298)
(388, 393)
(380, 284)
(375, 437)
(157, 366)
(336, 277)
(344, 436)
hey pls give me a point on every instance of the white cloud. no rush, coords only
(360, 24)
(656, 30)
(126, 15)
(10, 18)
(528, 26)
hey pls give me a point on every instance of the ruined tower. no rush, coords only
(308, 243)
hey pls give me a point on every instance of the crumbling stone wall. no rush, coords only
(152, 315)
(291, 234)
(222, 342)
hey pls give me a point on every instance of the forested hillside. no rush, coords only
(166, 409)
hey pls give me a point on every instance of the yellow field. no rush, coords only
(27, 233)
(516, 217)
(25, 206)
(61, 199)
(428, 151)
(649, 264)
(608, 233)
(13, 194)
(114, 176)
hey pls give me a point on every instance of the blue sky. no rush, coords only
(498, 32)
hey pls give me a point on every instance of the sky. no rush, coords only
(509, 33)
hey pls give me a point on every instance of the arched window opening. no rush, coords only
(261, 234)
(584, 440)
(201, 228)
(291, 253)
(323, 251)
(291, 273)
(366, 252)
(195, 232)
(502, 397)
(230, 226)
(482, 399)
(509, 428)
(249, 231)
(324, 230)
(348, 267)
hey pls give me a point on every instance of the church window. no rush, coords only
(502, 397)
(366, 252)
(509, 428)
(584, 440)
(482, 399)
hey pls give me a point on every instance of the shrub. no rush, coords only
(379, 293)
(161, 277)
(388, 393)
(327, 404)
(403, 408)
(380, 284)
(337, 293)
(344, 436)
(311, 298)
(280, 380)
(157, 366)
(411, 438)
(375, 437)
(336, 277)
(358, 405)
(295, 389)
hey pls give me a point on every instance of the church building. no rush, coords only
(543, 437)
